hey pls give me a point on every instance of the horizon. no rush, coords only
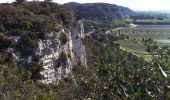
(136, 5)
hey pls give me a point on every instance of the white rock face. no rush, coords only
(77, 33)
(51, 49)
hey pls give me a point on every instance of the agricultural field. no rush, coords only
(159, 33)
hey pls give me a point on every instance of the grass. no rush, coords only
(146, 57)
(142, 54)
(135, 45)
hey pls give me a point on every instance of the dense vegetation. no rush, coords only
(121, 75)
(31, 21)
(42, 17)
(100, 15)
(111, 74)
(100, 11)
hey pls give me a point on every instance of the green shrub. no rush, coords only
(27, 44)
(2, 28)
(5, 42)
(63, 39)
(16, 32)
(35, 68)
(62, 58)
(33, 16)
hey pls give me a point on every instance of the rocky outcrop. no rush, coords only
(58, 53)
(78, 47)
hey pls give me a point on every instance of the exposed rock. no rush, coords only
(50, 51)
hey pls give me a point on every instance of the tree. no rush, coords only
(20, 1)
(48, 0)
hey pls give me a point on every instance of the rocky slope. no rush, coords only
(44, 38)
(57, 58)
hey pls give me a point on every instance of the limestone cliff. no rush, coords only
(57, 53)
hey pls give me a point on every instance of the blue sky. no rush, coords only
(133, 4)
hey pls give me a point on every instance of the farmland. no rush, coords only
(151, 18)
(134, 44)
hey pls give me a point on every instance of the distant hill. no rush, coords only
(101, 11)
(100, 15)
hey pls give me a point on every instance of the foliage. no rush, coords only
(20, 1)
(111, 74)
(33, 16)
(5, 42)
(13, 85)
(119, 74)
(26, 44)
(62, 59)
(48, 0)
(100, 11)
(63, 38)
(99, 15)
(35, 68)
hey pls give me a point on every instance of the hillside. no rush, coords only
(101, 11)
(40, 43)
(33, 16)
(100, 15)
(46, 55)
